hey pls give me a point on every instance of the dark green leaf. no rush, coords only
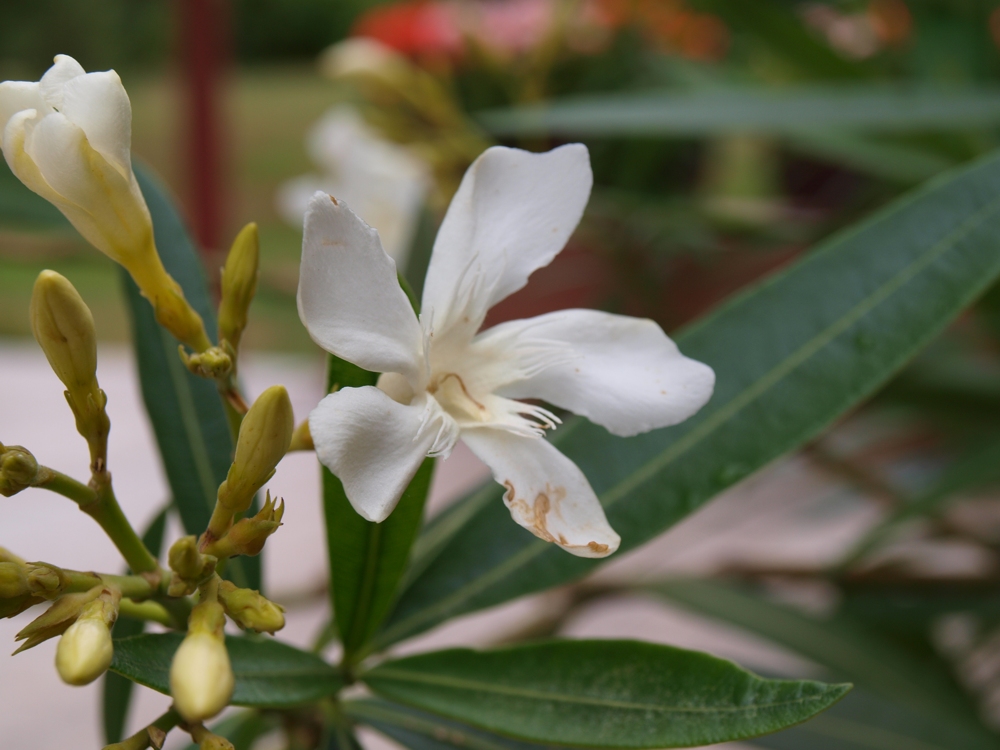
(614, 694)
(341, 738)
(863, 721)
(116, 690)
(418, 730)
(367, 560)
(185, 410)
(268, 673)
(793, 111)
(914, 680)
(790, 354)
(22, 209)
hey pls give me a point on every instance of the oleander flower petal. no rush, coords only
(375, 444)
(349, 296)
(513, 213)
(546, 492)
(620, 372)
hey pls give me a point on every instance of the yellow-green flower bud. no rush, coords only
(64, 328)
(46, 581)
(264, 437)
(248, 535)
(250, 610)
(18, 469)
(85, 649)
(239, 285)
(214, 363)
(13, 580)
(201, 677)
(190, 566)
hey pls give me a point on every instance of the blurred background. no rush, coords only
(727, 137)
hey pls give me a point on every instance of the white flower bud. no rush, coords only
(84, 652)
(201, 677)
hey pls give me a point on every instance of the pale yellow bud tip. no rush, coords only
(215, 742)
(201, 677)
(239, 284)
(84, 652)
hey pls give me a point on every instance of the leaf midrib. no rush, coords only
(712, 422)
(527, 693)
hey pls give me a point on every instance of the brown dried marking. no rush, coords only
(334, 201)
(600, 549)
(537, 513)
(461, 384)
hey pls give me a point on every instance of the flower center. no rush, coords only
(452, 394)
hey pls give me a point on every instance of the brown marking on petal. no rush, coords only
(577, 369)
(663, 393)
(563, 541)
(600, 549)
(334, 201)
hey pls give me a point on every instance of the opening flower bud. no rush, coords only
(201, 677)
(68, 138)
(85, 651)
(239, 285)
(265, 435)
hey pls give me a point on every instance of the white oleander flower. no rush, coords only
(68, 138)
(444, 379)
(384, 183)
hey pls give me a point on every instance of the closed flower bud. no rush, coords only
(64, 328)
(18, 469)
(13, 580)
(239, 285)
(85, 650)
(201, 677)
(250, 610)
(68, 138)
(265, 435)
(46, 581)
(215, 362)
(190, 566)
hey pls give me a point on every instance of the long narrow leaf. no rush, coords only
(718, 111)
(601, 694)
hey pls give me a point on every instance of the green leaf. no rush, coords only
(422, 731)
(613, 694)
(915, 680)
(793, 111)
(367, 560)
(116, 692)
(790, 355)
(863, 721)
(185, 410)
(22, 209)
(268, 673)
(341, 738)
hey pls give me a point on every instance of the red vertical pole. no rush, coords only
(205, 49)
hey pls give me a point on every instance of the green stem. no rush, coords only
(109, 515)
(142, 739)
(55, 481)
(98, 501)
(147, 611)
